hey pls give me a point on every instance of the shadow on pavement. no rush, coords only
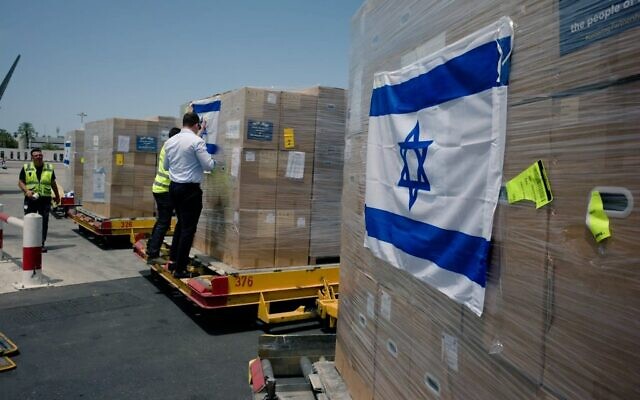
(105, 242)
(230, 320)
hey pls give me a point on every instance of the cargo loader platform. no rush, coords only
(134, 228)
(213, 287)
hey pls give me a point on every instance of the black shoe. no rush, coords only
(181, 274)
(44, 249)
(155, 260)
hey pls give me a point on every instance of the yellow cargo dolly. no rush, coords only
(103, 227)
(212, 286)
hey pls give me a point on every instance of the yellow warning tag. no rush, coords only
(289, 138)
(531, 184)
(597, 219)
(119, 159)
(81, 160)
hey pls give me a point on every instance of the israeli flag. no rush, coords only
(209, 110)
(434, 162)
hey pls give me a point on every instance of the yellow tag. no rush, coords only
(531, 184)
(597, 219)
(81, 160)
(119, 159)
(289, 138)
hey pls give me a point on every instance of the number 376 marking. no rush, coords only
(244, 281)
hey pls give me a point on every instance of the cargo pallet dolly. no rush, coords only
(215, 286)
(106, 228)
(63, 209)
(7, 348)
(296, 367)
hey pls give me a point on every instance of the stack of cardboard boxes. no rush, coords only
(76, 160)
(561, 317)
(258, 211)
(120, 165)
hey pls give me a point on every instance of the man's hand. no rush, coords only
(56, 198)
(29, 193)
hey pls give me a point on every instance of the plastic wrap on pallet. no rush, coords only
(75, 161)
(562, 306)
(120, 161)
(271, 205)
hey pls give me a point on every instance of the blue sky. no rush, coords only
(140, 58)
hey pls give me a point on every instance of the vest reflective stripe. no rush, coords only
(42, 186)
(162, 181)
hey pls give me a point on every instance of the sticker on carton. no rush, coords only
(235, 162)
(272, 98)
(250, 156)
(123, 143)
(301, 222)
(450, 351)
(385, 305)
(233, 129)
(371, 308)
(271, 218)
(295, 165)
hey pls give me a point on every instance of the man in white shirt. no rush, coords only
(186, 159)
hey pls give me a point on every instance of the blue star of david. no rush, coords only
(413, 143)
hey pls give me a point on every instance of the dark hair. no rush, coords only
(174, 131)
(190, 119)
(34, 150)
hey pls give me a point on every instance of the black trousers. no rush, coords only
(187, 200)
(162, 225)
(42, 206)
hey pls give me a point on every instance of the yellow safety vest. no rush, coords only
(162, 181)
(42, 186)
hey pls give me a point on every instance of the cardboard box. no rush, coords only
(292, 238)
(328, 163)
(250, 118)
(294, 181)
(592, 342)
(120, 165)
(250, 240)
(255, 181)
(298, 122)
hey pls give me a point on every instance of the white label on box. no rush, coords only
(371, 307)
(236, 217)
(295, 165)
(347, 149)
(250, 156)
(99, 181)
(272, 98)
(235, 162)
(271, 218)
(233, 129)
(96, 141)
(450, 351)
(123, 144)
(301, 222)
(385, 305)
(354, 114)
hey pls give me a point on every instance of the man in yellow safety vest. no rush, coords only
(160, 191)
(37, 180)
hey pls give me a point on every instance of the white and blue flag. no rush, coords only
(434, 162)
(209, 110)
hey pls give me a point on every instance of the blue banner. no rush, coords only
(583, 22)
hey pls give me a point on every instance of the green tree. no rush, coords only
(7, 140)
(27, 132)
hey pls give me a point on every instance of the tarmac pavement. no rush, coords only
(107, 329)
